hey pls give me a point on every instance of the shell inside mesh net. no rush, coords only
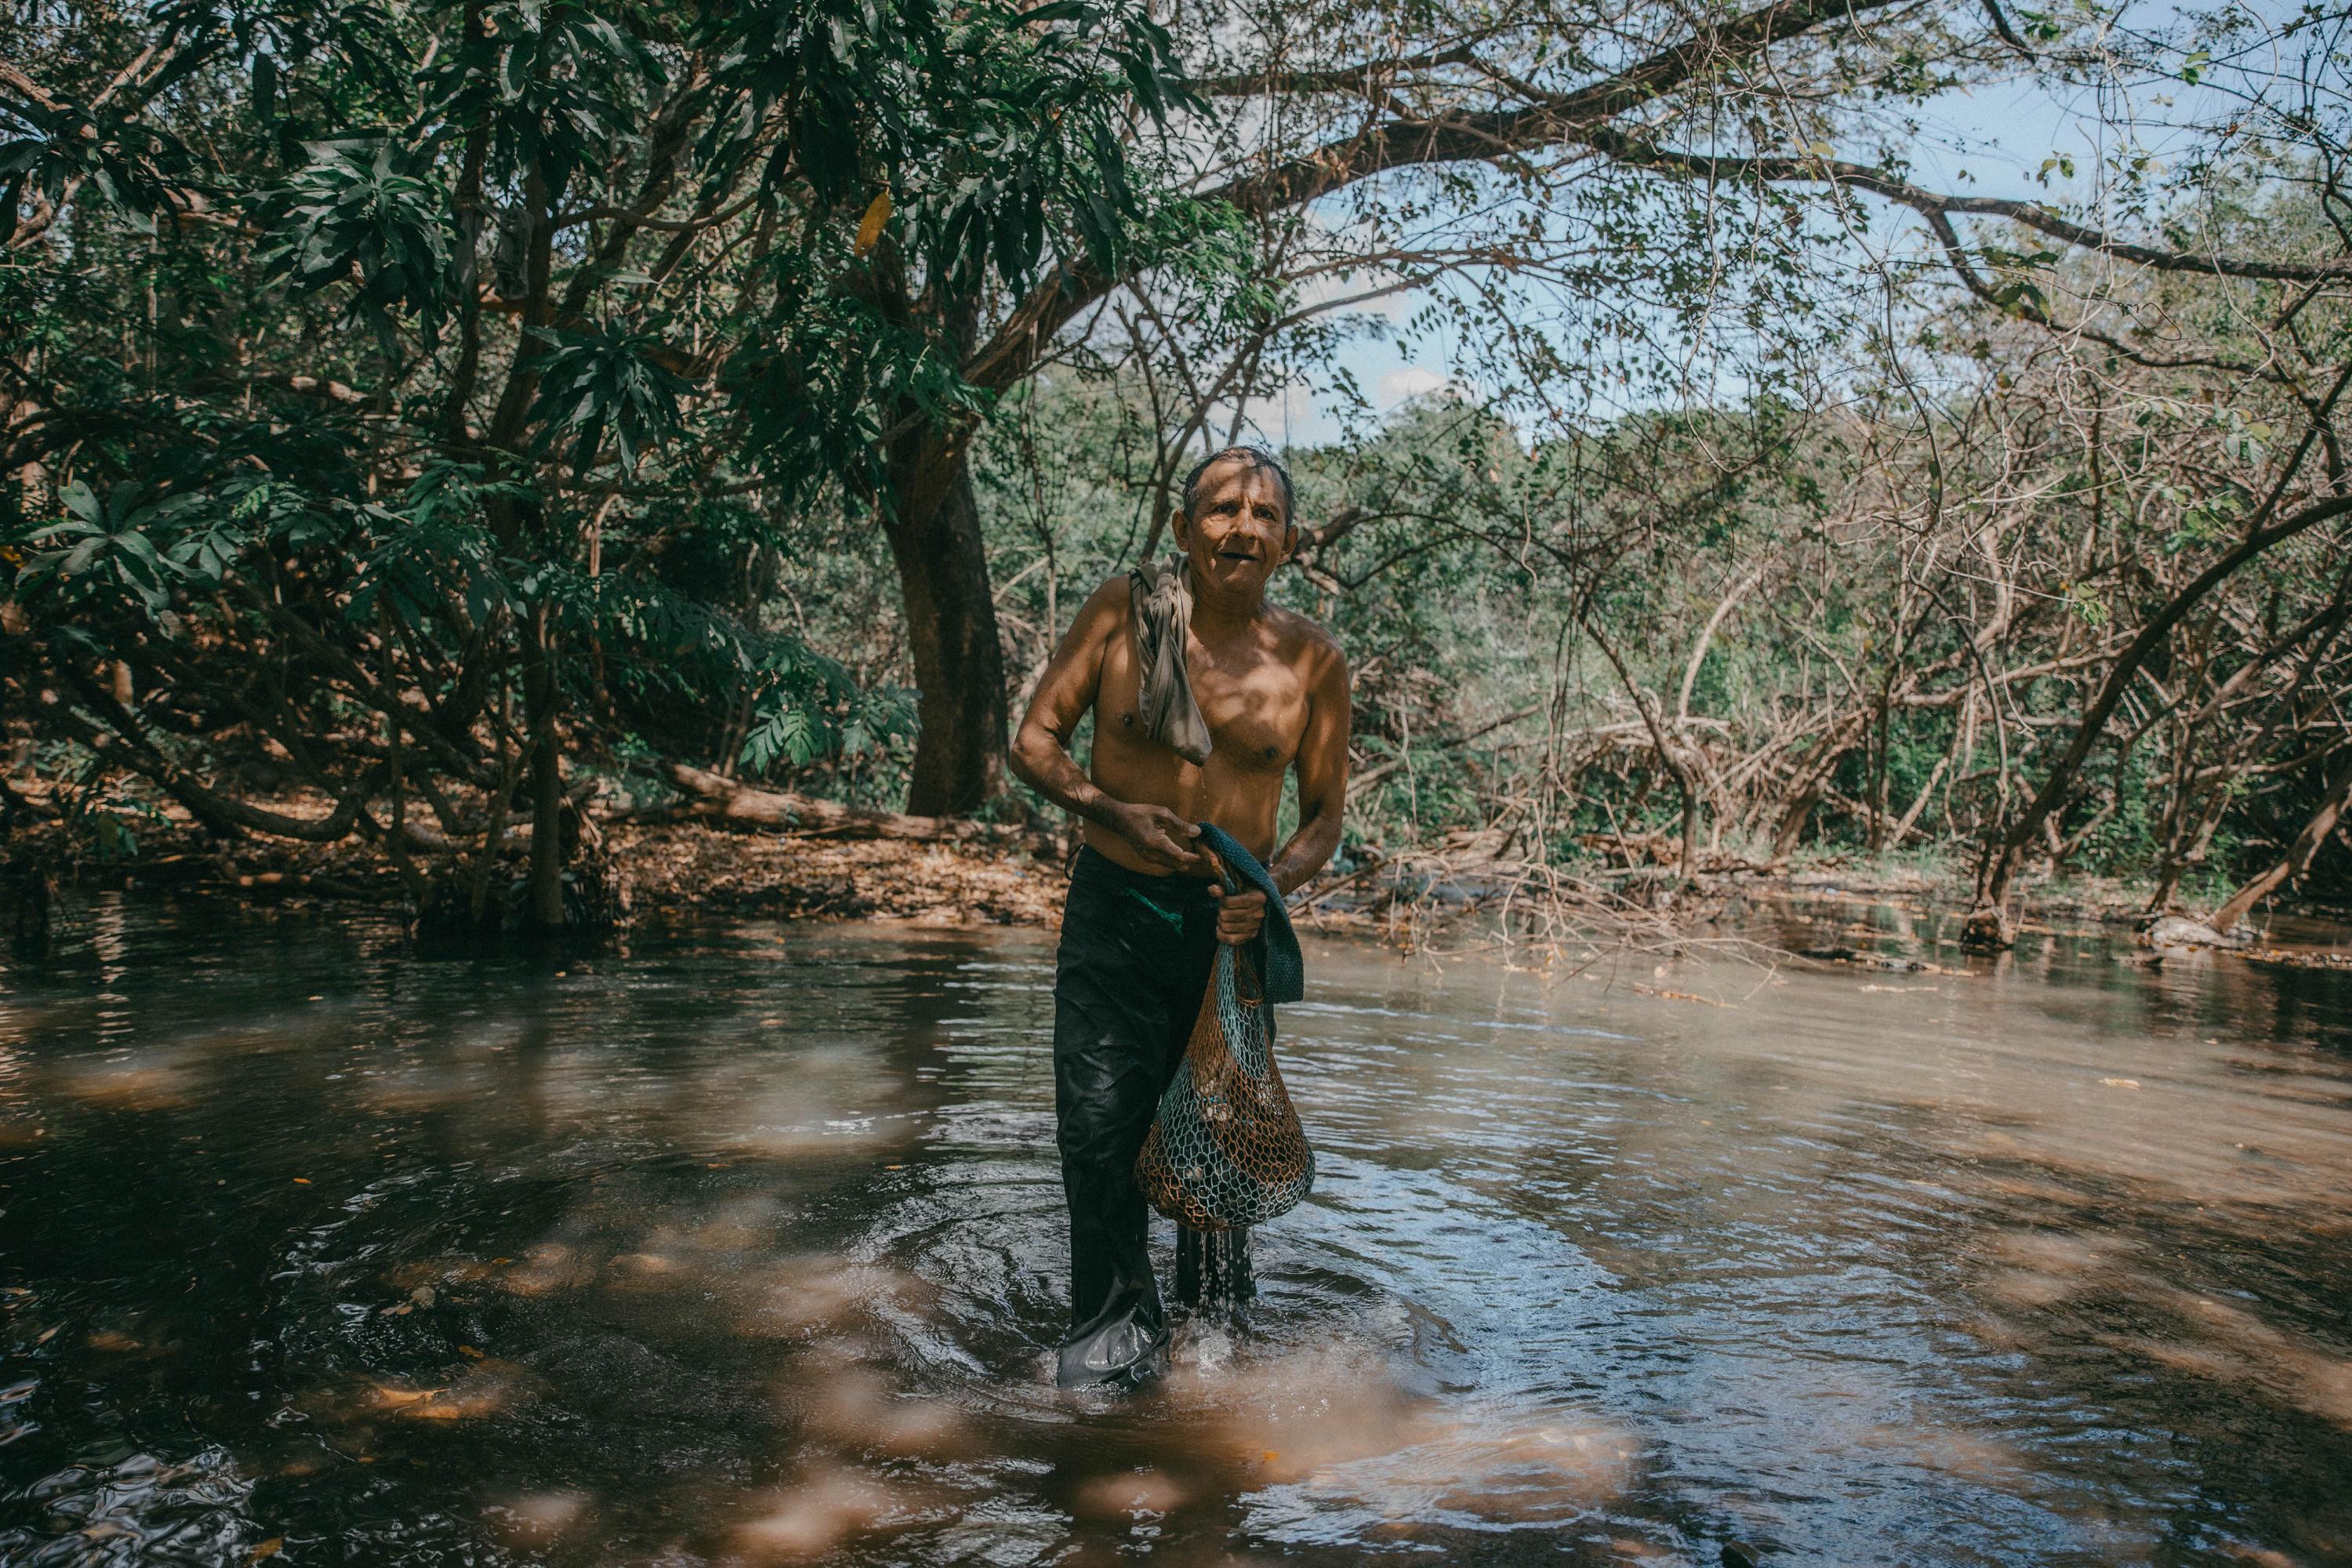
(1226, 1149)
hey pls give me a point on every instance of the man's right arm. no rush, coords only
(1041, 749)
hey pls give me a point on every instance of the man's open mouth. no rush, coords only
(1237, 554)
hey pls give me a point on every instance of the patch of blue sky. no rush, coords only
(2030, 137)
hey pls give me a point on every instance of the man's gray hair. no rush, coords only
(1258, 457)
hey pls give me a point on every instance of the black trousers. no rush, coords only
(1137, 951)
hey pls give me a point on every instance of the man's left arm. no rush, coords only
(1322, 776)
(1322, 765)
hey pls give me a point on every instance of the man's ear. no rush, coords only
(1291, 534)
(1180, 528)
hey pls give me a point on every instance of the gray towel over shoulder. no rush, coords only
(1162, 596)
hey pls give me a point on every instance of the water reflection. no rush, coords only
(743, 1246)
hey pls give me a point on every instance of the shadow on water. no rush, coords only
(740, 1244)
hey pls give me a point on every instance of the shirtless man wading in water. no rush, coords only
(1140, 929)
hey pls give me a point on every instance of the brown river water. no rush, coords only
(743, 1244)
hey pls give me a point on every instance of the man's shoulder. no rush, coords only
(1114, 593)
(1309, 642)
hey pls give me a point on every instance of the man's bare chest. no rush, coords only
(1254, 702)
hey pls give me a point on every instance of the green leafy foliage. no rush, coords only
(102, 549)
(466, 385)
(455, 375)
(605, 381)
(364, 209)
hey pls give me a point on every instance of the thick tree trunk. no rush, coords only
(1813, 776)
(2298, 858)
(541, 700)
(516, 523)
(932, 524)
(1795, 811)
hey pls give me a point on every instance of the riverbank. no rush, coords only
(733, 856)
(659, 867)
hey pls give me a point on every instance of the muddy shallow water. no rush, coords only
(744, 1245)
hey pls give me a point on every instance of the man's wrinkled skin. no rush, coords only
(1272, 685)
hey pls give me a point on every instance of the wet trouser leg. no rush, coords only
(1212, 1269)
(1134, 959)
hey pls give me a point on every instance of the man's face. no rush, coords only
(1241, 531)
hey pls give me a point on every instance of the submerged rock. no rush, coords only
(2181, 932)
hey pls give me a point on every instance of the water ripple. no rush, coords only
(744, 1245)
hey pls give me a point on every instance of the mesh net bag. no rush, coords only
(1226, 1150)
